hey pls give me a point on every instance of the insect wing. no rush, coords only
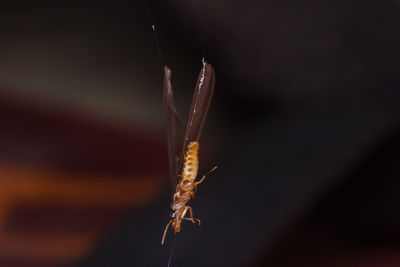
(202, 96)
(174, 127)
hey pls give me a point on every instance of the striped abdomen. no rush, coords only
(191, 162)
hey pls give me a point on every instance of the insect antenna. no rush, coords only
(155, 35)
(165, 232)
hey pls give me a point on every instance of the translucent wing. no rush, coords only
(202, 96)
(174, 127)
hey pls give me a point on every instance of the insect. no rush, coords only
(183, 146)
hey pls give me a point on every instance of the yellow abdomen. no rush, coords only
(191, 161)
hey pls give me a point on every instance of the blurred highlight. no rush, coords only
(65, 181)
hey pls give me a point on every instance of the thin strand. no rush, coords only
(171, 253)
(153, 27)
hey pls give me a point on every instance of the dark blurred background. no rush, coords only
(304, 127)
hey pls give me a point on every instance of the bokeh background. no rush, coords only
(304, 127)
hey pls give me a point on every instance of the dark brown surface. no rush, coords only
(200, 104)
(174, 128)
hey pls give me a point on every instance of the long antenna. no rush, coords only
(153, 27)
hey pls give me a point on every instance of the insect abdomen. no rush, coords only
(191, 161)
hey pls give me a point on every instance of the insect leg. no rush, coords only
(205, 175)
(196, 220)
(191, 218)
(165, 232)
